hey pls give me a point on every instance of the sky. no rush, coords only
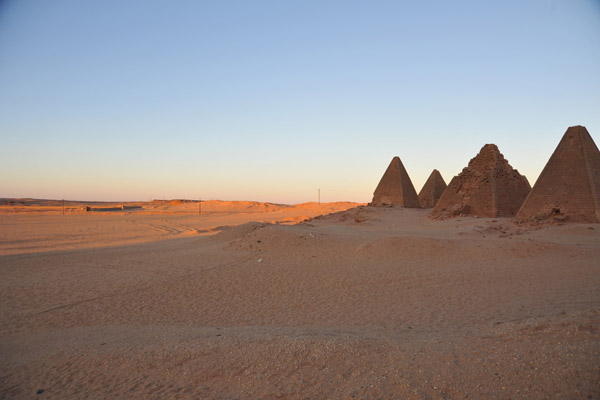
(273, 100)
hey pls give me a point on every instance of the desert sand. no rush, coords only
(253, 300)
(29, 225)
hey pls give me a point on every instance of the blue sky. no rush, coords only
(270, 100)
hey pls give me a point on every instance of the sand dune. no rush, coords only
(361, 303)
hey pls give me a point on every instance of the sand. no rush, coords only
(30, 226)
(365, 302)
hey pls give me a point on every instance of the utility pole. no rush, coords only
(319, 190)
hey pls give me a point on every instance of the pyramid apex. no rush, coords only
(490, 147)
(488, 157)
(576, 129)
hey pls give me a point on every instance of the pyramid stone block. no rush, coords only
(487, 187)
(569, 185)
(432, 190)
(396, 188)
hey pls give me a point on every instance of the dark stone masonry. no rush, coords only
(569, 186)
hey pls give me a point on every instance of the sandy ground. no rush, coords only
(369, 303)
(31, 226)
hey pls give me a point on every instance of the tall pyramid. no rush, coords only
(432, 190)
(569, 185)
(487, 187)
(396, 188)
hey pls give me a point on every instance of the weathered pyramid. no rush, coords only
(569, 185)
(432, 190)
(396, 188)
(487, 187)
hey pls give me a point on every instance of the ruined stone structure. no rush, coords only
(432, 190)
(396, 188)
(487, 187)
(569, 185)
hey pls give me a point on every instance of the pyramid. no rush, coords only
(396, 188)
(487, 187)
(432, 190)
(569, 185)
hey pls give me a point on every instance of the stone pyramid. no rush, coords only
(569, 185)
(487, 187)
(396, 188)
(432, 190)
